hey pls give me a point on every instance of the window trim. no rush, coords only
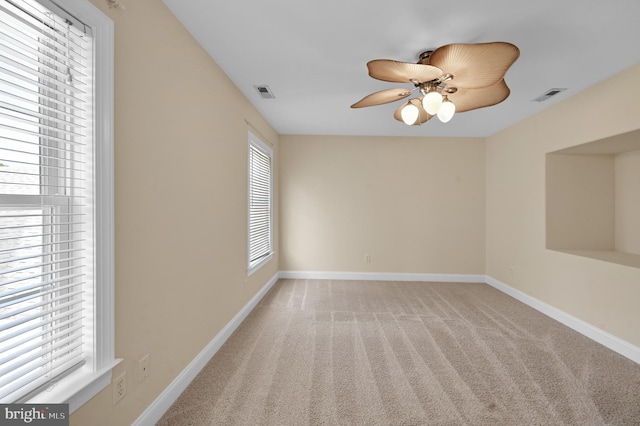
(252, 267)
(84, 383)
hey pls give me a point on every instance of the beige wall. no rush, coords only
(180, 206)
(415, 205)
(601, 293)
(580, 201)
(627, 195)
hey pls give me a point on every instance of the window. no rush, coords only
(260, 190)
(56, 201)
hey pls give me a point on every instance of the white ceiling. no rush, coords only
(313, 54)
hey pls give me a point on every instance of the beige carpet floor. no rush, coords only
(395, 353)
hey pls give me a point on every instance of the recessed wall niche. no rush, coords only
(593, 199)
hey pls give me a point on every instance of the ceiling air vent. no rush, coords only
(265, 92)
(549, 93)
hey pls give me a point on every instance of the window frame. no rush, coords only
(83, 383)
(256, 142)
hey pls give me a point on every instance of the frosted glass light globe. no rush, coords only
(446, 111)
(410, 114)
(431, 102)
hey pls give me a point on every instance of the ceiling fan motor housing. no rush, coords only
(423, 58)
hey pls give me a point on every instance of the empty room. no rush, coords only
(306, 213)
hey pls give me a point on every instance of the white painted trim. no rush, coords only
(254, 268)
(612, 342)
(161, 404)
(383, 276)
(78, 387)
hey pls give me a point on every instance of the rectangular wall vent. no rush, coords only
(549, 93)
(265, 92)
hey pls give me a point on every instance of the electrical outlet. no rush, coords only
(367, 258)
(119, 387)
(143, 368)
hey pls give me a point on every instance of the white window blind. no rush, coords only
(46, 181)
(259, 201)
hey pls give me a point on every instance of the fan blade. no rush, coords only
(423, 117)
(469, 99)
(402, 72)
(475, 65)
(382, 97)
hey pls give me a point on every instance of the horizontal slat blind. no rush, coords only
(45, 166)
(259, 203)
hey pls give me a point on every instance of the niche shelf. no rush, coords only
(593, 199)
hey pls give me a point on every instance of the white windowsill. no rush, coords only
(253, 268)
(77, 388)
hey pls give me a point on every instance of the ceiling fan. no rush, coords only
(452, 78)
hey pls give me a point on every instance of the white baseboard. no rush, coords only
(154, 412)
(383, 276)
(612, 342)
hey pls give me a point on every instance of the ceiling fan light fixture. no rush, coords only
(446, 111)
(410, 114)
(432, 102)
(471, 74)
